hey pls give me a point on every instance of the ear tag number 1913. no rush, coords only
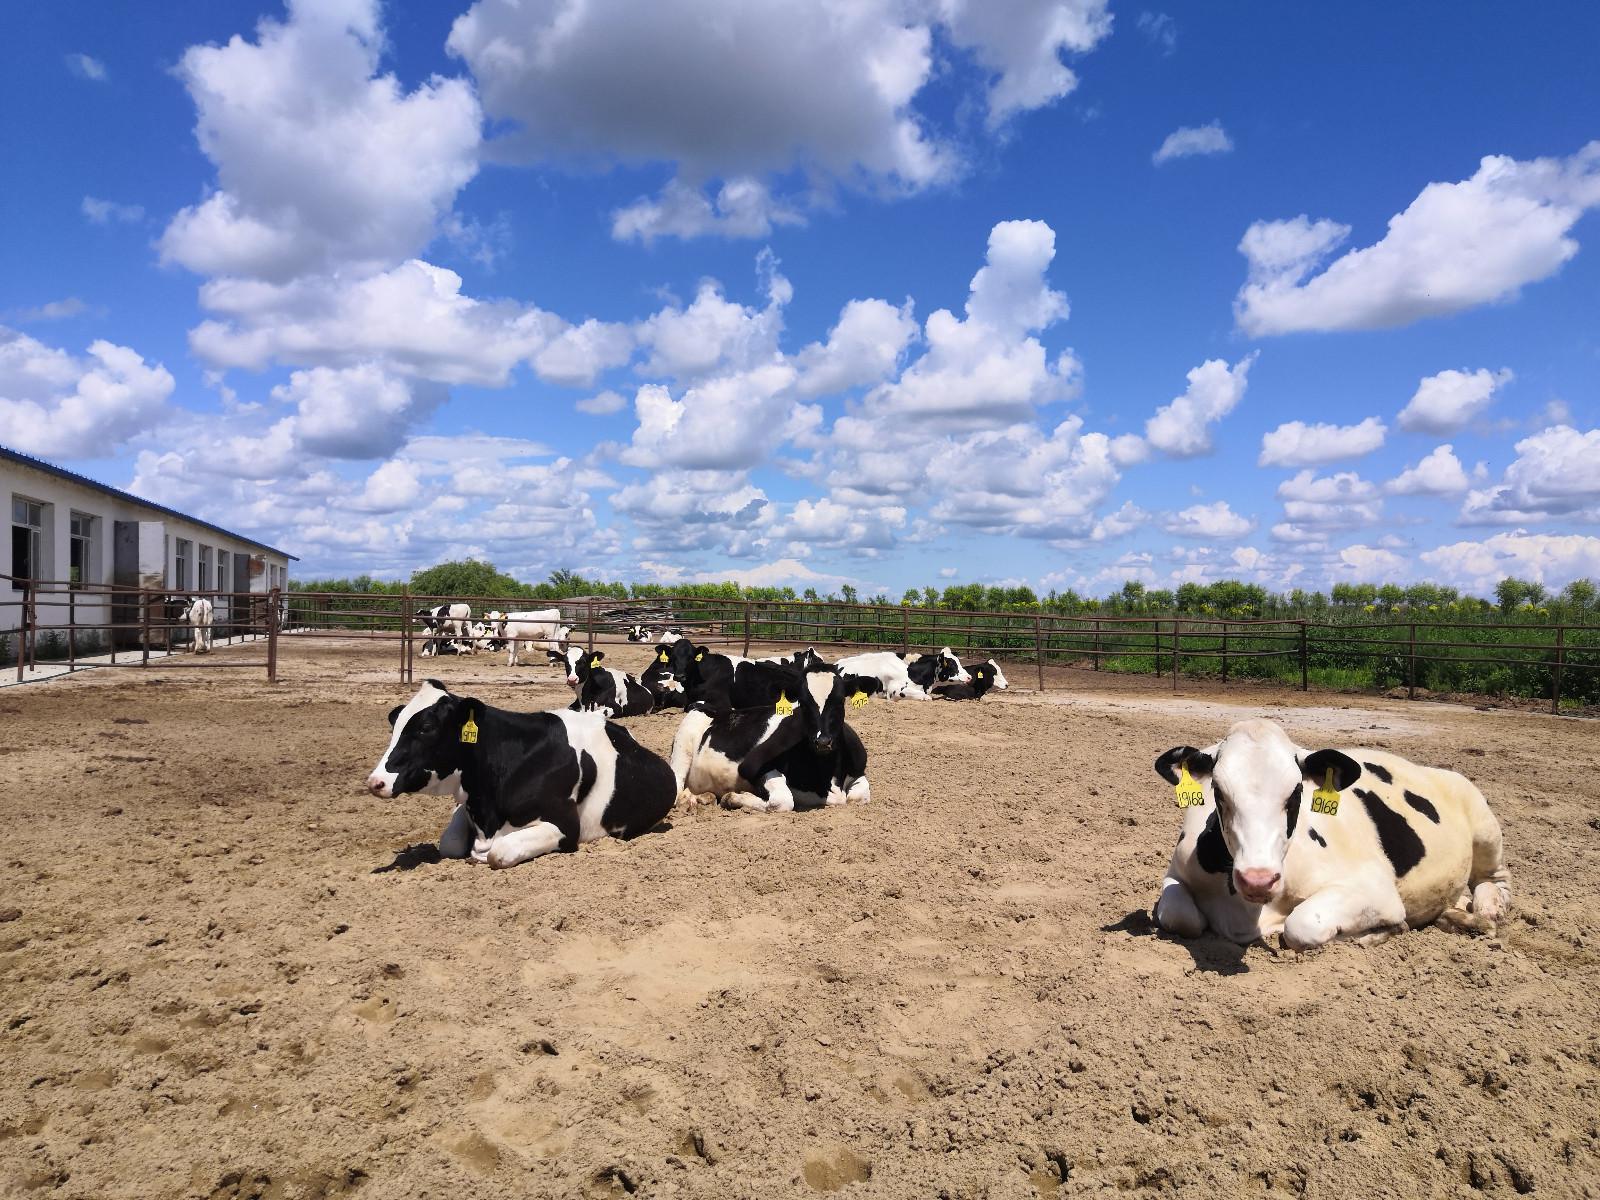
(1190, 793)
(469, 731)
(785, 706)
(1326, 798)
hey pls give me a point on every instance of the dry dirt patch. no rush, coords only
(232, 973)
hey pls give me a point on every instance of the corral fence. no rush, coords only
(74, 626)
(1558, 661)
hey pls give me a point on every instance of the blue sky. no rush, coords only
(890, 293)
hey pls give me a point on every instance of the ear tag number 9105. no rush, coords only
(1189, 792)
(1326, 798)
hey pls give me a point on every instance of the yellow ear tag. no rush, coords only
(858, 700)
(594, 662)
(469, 731)
(662, 657)
(1190, 793)
(785, 706)
(1326, 798)
(699, 656)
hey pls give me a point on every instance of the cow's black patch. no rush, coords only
(643, 791)
(1381, 772)
(1211, 851)
(1318, 838)
(1293, 805)
(586, 774)
(1401, 845)
(1423, 805)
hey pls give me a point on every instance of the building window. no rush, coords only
(82, 549)
(183, 550)
(27, 538)
(224, 582)
(202, 581)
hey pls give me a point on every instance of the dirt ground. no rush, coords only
(227, 971)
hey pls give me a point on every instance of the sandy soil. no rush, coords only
(226, 971)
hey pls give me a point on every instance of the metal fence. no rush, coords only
(1538, 659)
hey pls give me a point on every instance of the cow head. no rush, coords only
(821, 703)
(990, 671)
(676, 656)
(950, 668)
(426, 749)
(576, 662)
(638, 633)
(1257, 778)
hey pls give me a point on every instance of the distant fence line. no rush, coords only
(1543, 660)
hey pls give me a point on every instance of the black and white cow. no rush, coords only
(985, 675)
(638, 633)
(889, 668)
(442, 622)
(524, 783)
(709, 683)
(769, 761)
(807, 659)
(668, 636)
(197, 612)
(667, 677)
(605, 689)
(926, 670)
(1260, 854)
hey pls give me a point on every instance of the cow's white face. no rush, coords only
(405, 765)
(570, 658)
(1258, 778)
(954, 671)
(999, 675)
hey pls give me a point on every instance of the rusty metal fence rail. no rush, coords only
(1539, 658)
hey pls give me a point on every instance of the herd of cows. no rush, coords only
(1381, 845)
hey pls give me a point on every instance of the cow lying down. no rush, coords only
(1260, 854)
(524, 783)
(797, 754)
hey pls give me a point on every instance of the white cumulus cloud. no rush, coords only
(1182, 428)
(1445, 403)
(1189, 141)
(1440, 473)
(1457, 245)
(1297, 444)
(55, 404)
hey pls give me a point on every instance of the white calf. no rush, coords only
(1278, 839)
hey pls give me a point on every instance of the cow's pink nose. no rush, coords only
(375, 785)
(1257, 881)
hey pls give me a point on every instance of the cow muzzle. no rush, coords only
(378, 786)
(1257, 884)
(822, 745)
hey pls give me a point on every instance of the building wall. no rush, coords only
(250, 567)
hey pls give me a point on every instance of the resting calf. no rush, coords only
(1261, 853)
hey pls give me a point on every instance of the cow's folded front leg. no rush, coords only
(457, 839)
(513, 846)
(1343, 911)
(1177, 912)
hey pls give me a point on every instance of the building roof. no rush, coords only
(38, 464)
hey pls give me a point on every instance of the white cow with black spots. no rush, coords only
(198, 613)
(1260, 855)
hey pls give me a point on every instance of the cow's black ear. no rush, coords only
(1318, 763)
(1199, 763)
(395, 712)
(434, 683)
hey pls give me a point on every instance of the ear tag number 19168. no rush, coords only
(1326, 798)
(1190, 793)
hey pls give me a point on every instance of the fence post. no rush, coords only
(588, 618)
(1097, 643)
(905, 629)
(144, 605)
(747, 629)
(1555, 671)
(273, 612)
(405, 632)
(1177, 639)
(1304, 679)
(1224, 652)
(72, 630)
(1156, 630)
(22, 632)
(1038, 647)
(1411, 665)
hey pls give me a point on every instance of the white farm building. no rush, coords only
(74, 538)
